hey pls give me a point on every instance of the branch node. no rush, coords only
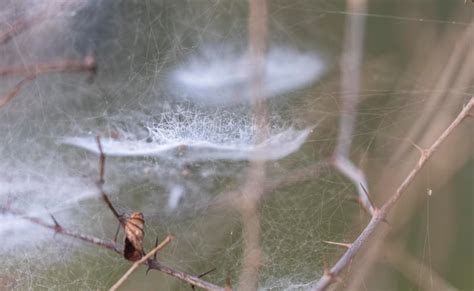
(333, 278)
(423, 152)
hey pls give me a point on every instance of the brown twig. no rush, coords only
(253, 188)
(442, 85)
(135, 265)
(193, 280)
(58, 229)
(152, 264)
(452, 157)
(380, 214)
(100, 183)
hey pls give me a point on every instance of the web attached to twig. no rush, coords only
(171, 101)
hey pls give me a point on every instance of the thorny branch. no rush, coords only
(340, 158)
(59, 229)
(113, 246)
(330, 275)
(152, 264)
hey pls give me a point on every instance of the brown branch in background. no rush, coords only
(462, 46)
(252, 191)
(350, 86)
(23, 24)
(290, 178)
(297, 176)
(31, 72)
(452, 157)
(135, 265)
(20, 25)
(13, 92)
(88, 64)
(380, 214)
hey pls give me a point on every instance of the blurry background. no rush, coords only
(174, 72)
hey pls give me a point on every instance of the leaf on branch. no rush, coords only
(133, 250)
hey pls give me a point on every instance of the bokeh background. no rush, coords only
(416, 73)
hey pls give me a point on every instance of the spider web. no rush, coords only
(171, 102)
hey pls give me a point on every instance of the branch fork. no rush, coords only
(379, 214)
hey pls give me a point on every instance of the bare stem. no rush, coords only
(100, 183)
(380, 214)
(57, 228)
(253, 188)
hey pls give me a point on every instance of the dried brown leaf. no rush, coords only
(134, 233)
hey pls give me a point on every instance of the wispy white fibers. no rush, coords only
(275, 147)
(36, 180)
(197, 135)
(37, 191)
(221, 76)
(176, 194)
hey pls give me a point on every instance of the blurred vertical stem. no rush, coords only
(351, 60)
(350, 68)
(254, 185)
